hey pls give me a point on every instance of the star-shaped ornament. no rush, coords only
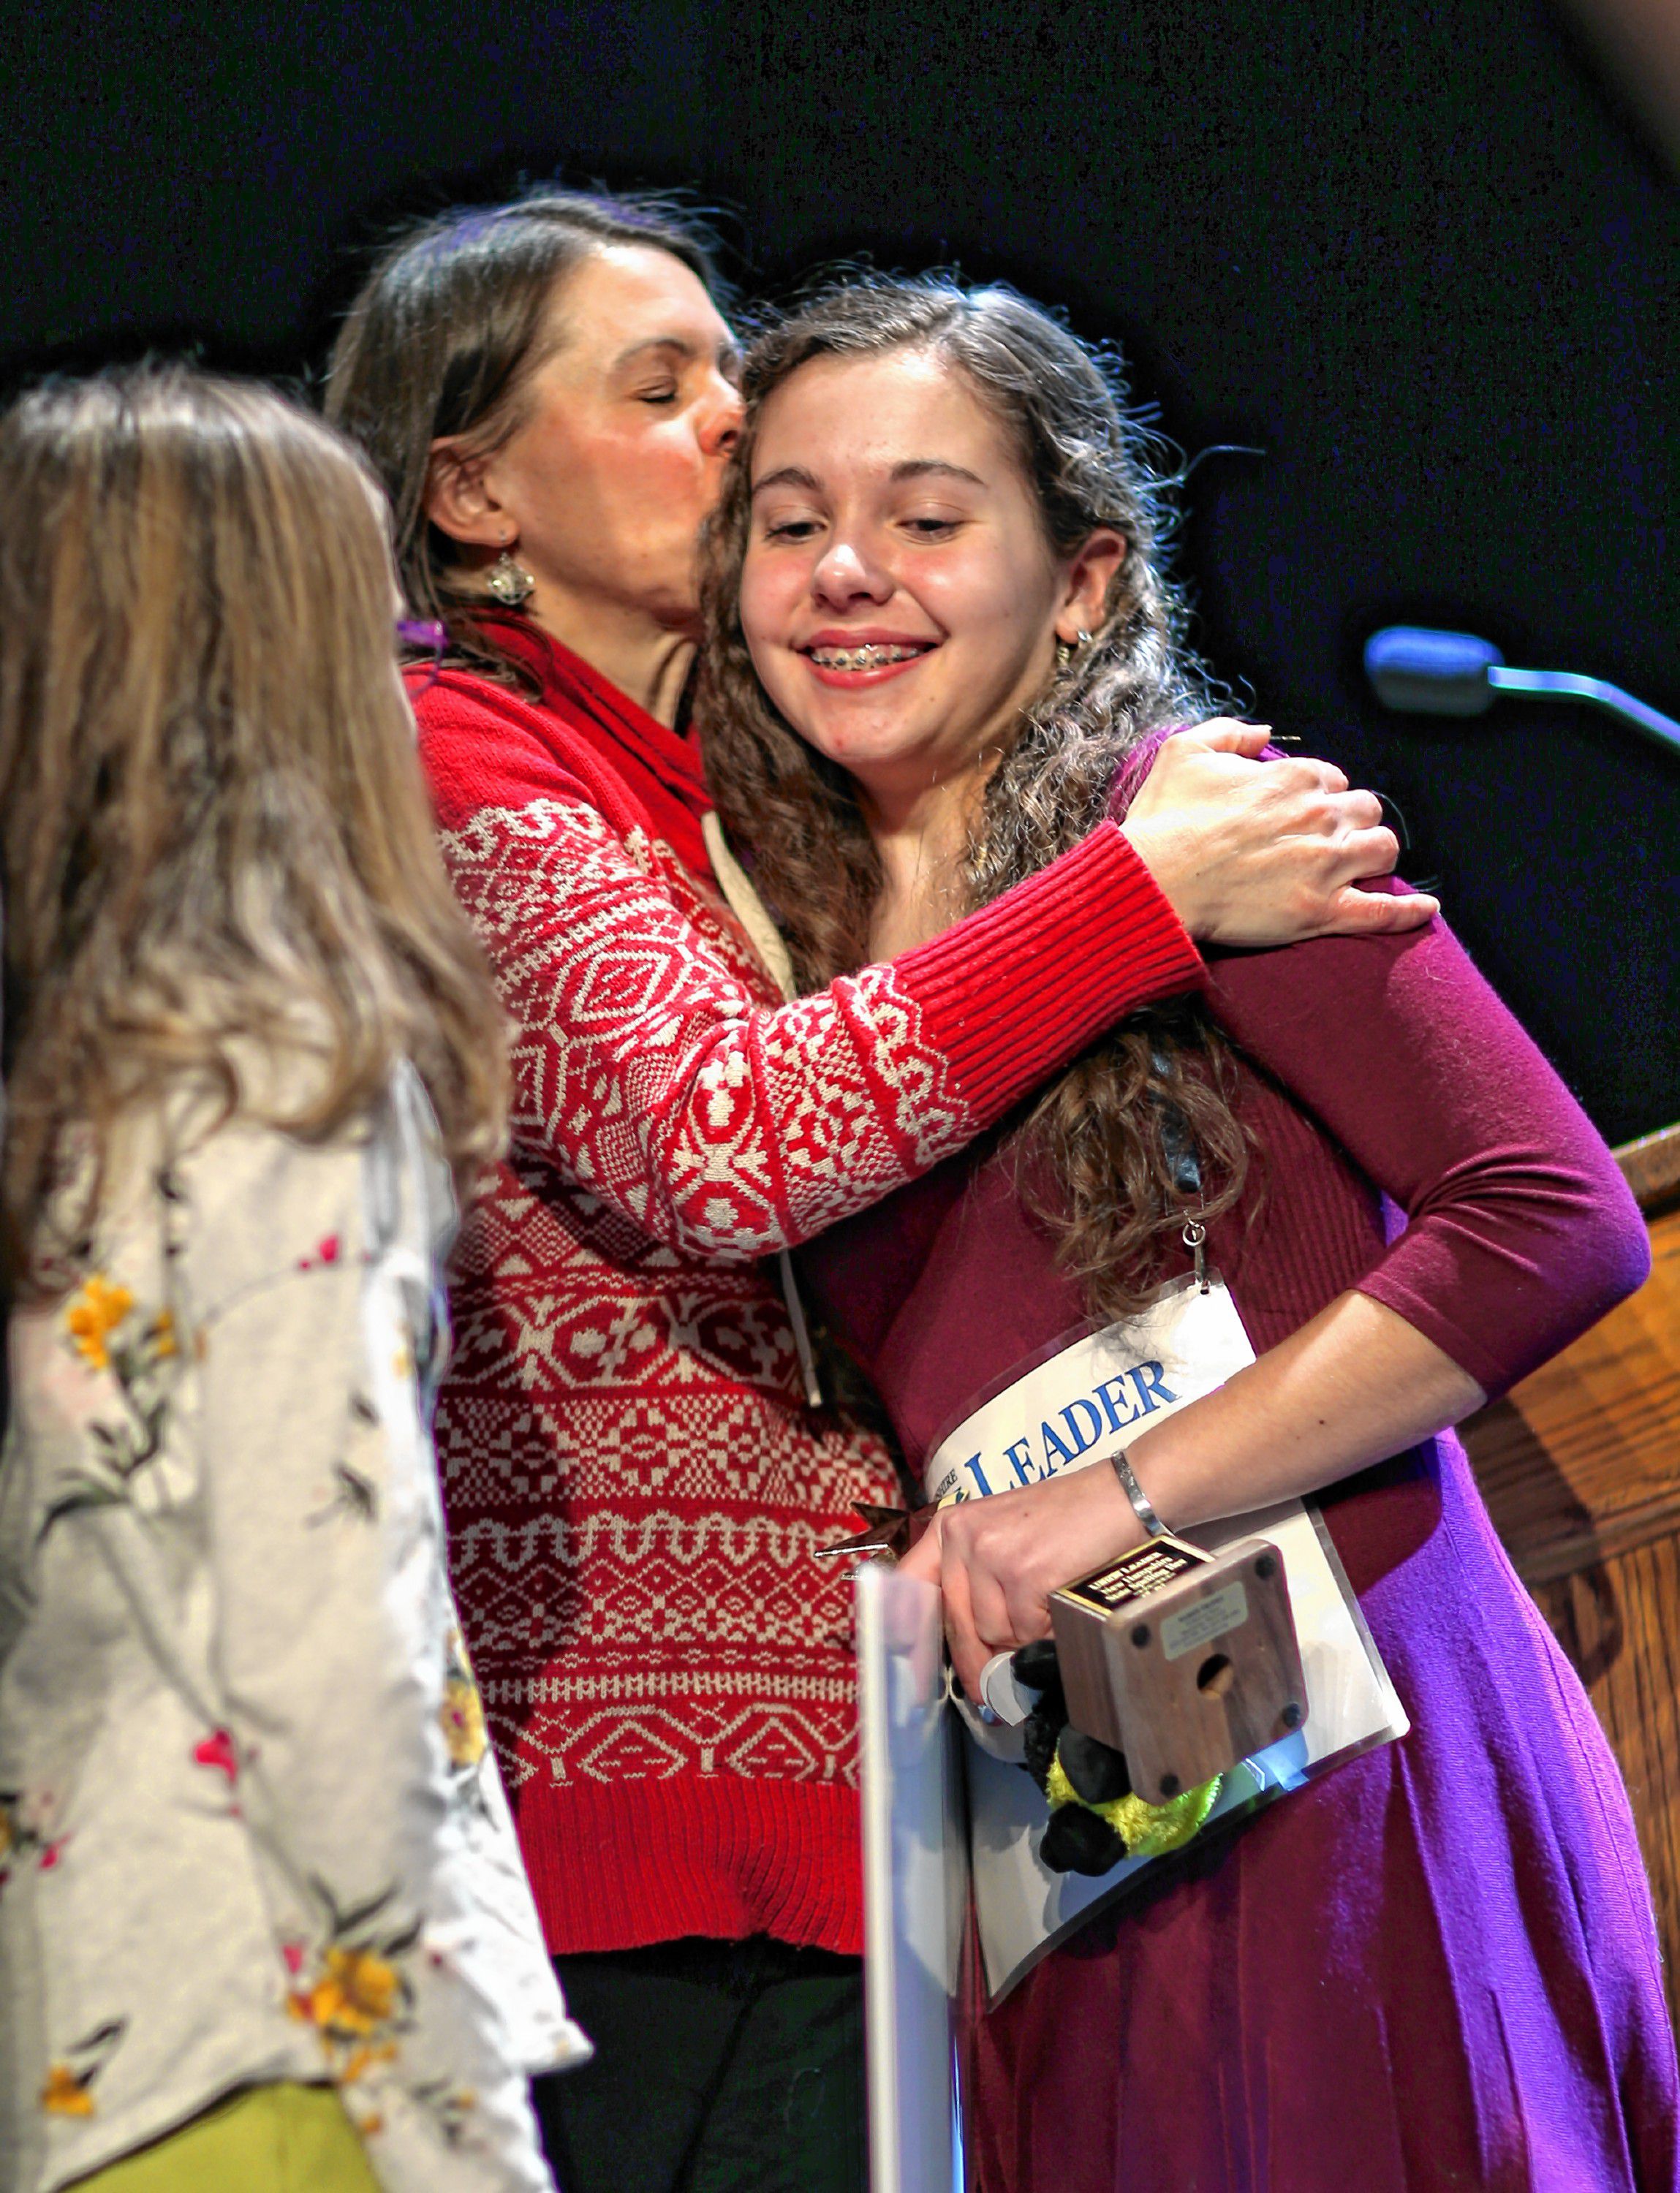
(891, 1531)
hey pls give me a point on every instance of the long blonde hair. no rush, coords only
(1139, 1133)
(213, 826)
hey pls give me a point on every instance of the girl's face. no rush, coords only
(899, 596)
(620, 457)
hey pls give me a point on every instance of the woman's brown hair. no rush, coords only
(214, 831)
(453, 319)
(1138, 1134)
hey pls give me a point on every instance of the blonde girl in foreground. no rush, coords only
(263, 1922)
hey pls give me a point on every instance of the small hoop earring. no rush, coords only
(508, 583)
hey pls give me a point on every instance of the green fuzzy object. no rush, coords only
(1146, 1830)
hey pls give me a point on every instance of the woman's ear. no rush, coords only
(459, 501)
(1090, 575)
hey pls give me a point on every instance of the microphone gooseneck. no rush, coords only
(1421, 671)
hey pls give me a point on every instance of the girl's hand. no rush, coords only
(996, 1561)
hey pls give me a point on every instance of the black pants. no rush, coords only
(720, 2067)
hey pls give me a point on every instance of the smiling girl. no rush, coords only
(941, 647)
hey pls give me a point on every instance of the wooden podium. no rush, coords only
(1579, 1466)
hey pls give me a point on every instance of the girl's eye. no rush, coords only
(790, 529)
(667, 395)
(932, 529)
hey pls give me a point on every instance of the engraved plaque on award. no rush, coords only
(1185, 1661)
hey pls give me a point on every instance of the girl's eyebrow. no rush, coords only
(920, 467)
(911, 468)
(787, 476)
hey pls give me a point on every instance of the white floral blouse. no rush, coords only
(250, 1827)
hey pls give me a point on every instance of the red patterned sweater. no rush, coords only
(634, 1484)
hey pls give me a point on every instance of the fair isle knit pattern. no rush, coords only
(697, 1487)
(635, 1485)
(725, 1139)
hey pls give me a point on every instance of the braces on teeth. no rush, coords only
(870, 656)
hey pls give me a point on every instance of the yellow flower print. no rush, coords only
(462, 1717)
(67, 2089)
(65, 2094)
(92, 1315)
(357, 1998)
(357, 1993)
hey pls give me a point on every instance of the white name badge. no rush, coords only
(1075, 1408)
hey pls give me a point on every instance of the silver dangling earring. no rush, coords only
(509, 583)
(1066, 649)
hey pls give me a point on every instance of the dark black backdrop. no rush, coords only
(1414, 252)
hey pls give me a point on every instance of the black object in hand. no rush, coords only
(1097, 1771)
(1076, 1840)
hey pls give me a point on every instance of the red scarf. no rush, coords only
(660, 768)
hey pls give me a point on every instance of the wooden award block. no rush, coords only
(1187, 1662)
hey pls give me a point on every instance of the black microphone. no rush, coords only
(1454, 674)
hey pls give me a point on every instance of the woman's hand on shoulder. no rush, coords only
(996, 1561)
(1261, 853)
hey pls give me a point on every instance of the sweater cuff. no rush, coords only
(1014, 991)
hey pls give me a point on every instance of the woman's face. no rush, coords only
(899, 596)
(621, 456)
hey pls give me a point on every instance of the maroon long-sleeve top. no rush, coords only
(1439, 1957)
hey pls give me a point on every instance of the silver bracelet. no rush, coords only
(1141, 1507)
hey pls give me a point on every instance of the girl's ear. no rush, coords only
(1090, 575)
(459, 501)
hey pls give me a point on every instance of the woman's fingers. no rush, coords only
(1342, 815)
(1263, 854)
(1307, 795)
(1225, 734)
(1357, 913)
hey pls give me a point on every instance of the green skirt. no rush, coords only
(284, 2139)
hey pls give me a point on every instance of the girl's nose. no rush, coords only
(845, 573)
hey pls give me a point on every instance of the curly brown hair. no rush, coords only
(214, 831)
(1138, 1133)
